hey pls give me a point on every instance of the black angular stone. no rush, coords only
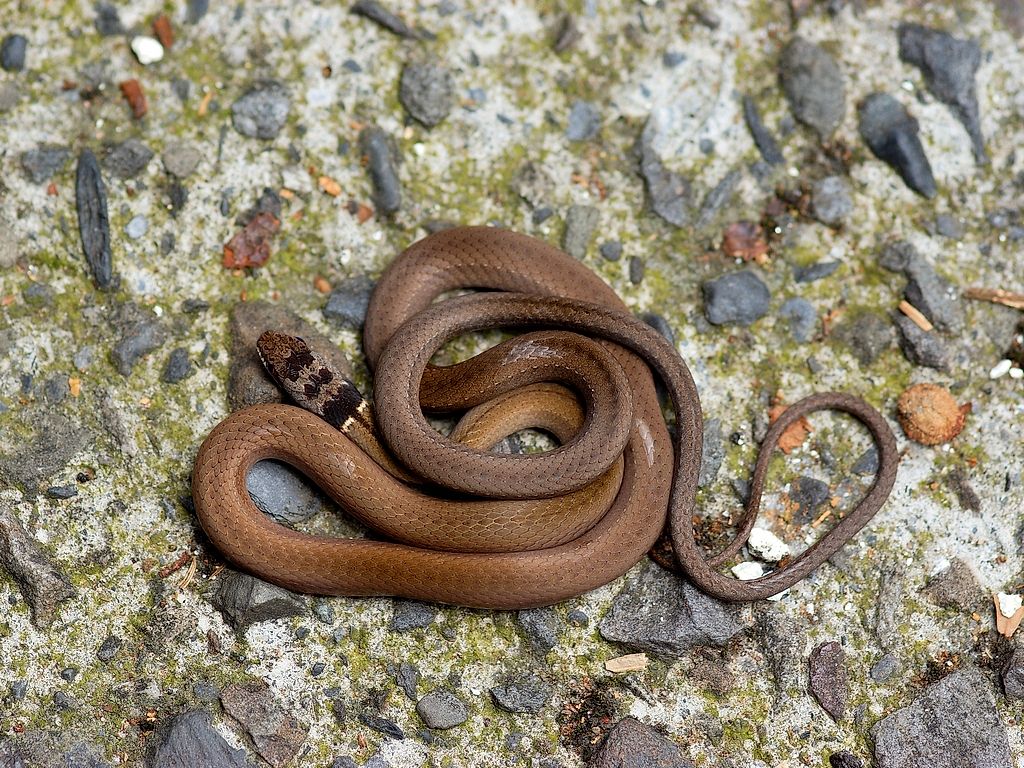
(891, 134)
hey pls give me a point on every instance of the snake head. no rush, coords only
(285, 357)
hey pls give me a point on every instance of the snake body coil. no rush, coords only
(535, 529)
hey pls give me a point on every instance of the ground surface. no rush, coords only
(105, 395)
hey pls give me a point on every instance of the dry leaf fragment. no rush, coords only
(329, 185)
(1007, 625)
(795, 434)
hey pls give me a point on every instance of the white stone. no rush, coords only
(147, 50)
(1009, 604)
(1001, 369)
(767, 546)
(748, 570)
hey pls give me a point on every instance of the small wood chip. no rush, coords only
(997, 296)
(321, 284)
(329, 185)
(132, 92)
(75, 386)
(204, 104)
(914, 314)
(363, 213)
(633, 662)
(1006, 626)
(795, 434)
(164, 31)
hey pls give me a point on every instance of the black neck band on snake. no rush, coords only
(461, 524)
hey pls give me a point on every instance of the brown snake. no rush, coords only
(532, 285)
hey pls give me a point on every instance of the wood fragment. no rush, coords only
(914, 314)
(996, 296)
(93, 220)
(164, 31)
(632, 662)
(795, 434)
(1007, 625)
(132, 92)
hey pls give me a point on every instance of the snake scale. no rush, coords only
(457, 523)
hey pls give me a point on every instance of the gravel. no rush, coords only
(584, 121)
(831, 201)
(382, 162)
(580, 224)
(126, 159)
(427, 91)
(377, 13)
(441, 710)
(262, 110)
(44, 162)
(891, 133)
(814, 86)
(12, 53)
(736, 298)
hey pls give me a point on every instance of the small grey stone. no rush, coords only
(407, 677)
(18, 689)
(867, 464)
(580, 223)
(127, 159)
(68, 674)
(427, 91)
(180, 158)
(275, 732)
(382, 162)
(637, 269)
(631, 744)
(884, 668)
(657, 612)
(189, 741)
(831, 201)
(667, 191)
(1012, 674)
(949, 226)
(956, 587)
(12, 53)
(63, 702)
(109, 648)
(584, 121)
(57, 440)
(61, 492)
(178, 366)
(736, 298)
(374, 11)
(827, 665)
(526, 693)
(196, 10)
(140, 335)
(56, 389)
(611, 250)
(41, 163)
(577, 618)
(892, 589)
(813, 85)
(540, 626)
(9, 97)
(348, 302)
(712, 453)
(868, 335)
(108, 21)
(282, 492)
(324, 610)
(818, 271)
(844, 760)
(717, 198)
(261, 112)
(660, 324)
(952, 724)
(808, 494)
(932, 295)
(410, 615)
(137, 227)
(891, 134)
(898, 255)
(246, 600)
(920, 347)
(801, 316)
(441, 710)
(672, 59)
(782, 640)
(763, 139)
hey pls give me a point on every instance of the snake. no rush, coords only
(453, 521)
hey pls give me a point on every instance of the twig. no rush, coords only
(914, 314)
(997, 296)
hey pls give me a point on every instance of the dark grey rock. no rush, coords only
(127, 159)
(712, 453)
(827, 681)
(891, 134)
(801, 316)
(261, 112)
(410, 615)
(196, 10)
(809, 495)
(18, 690)
(637, 269)
(382, 162)
(245, 600)
(407, 677)
(949, 65)
(736, 298)
(667, 191)
(956, 587)
(584, 121)
(189, 741)
(818, 271)
(275, 732)
(61, 492)
(108, 21)
(580, 223)
(763, 138)
(952, 724)
(660, 613)
(94, 220)
(567, 33)
(672, 59)
(9, 97)
(949, 226)
(717, 198)
(56, 441)
(323, 609)
(920, 347)
(813, 85)
(611, 250)
(782, 640)
(41, 583)
(63, 701)
(844, 760)
(831, 201)
(631, 744)
(868, 335)
(381, 725)
(540, 626)
(1012, 674)
(898, 255)
(180, 158)
(867, 464)
(660, 324)
(56, 389)
(348, 302)
(427, 91)
(892, 589)
(109, 648)
(140, 335)
(577, 618)
(41, 163)
(12, 52)
(441, 710)
(884, 668)
(282, 492)
(932, 295)
(526, 693)
(378, 14)
(178, 367)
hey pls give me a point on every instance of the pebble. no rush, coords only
(813, 85)
(868, 335)
(109, 648)
(136, 227)
(719, 195)
(763, 139)
(580, 224)
(818, 271)
(808, 494)
(929, 414)
(349, 301)
(659, 613)
(831, 201)
(427, 91)
(921, 347)
(748, 570)
(948, 65)
(949, 226)
(12, 53)
(526, 693)
(40, 164)
(584, 121)
(407, 677)
(827, 665)
(381, 725)
(275, 732)
(736, 298)
(108, 21)
(933, 296)
(952, 724)
(542, 214)
(377, 13)
(611, 250)
(127, 159)
(712, 451)
(867, 464)
(282, 492)
(244, 600)
(956, 587)
(801, 316)
(178, 366)
(631, 743)
(261, 112)
(140, 334)
(844, 760)
(61, 492)
(884, 668)
(147, 49)
(9, 97)
(441, 710)
(637, 268)
(891, 134)
(189, 739)
(540, 626)
(1012, 674)
(180, 159)
(18, 689)
(196, 10)
(411, 614)
(378, 149)
(669, 193)
(672, 59)
(577, 618)
(766, 546)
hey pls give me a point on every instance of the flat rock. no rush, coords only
(12, 52)
(816, 271)
(540, 626)
(43, 162)
(283, 492)
(763, 138)
(891, 134)
(951, 724)
(921, 347)
(526, 693)
(377, 13)
(831, 200)
(126, 159)
(659, 613)
(181, 158)
(244, 600)
(427, 91)
(736, 298)
(813, 85)
(631, 744)
(261, 112)
(275, 732)
(867, 335)
(441, 710)
(382, 162)
(189, 741)
(956, 587)
(411, 614)
(667, 192)
(349, 301)
(827, 680)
